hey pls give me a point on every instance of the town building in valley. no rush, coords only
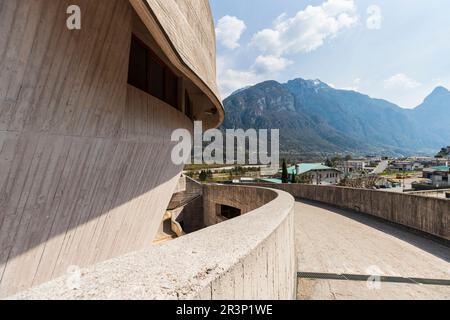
(352, 167)
(315, 173)
(438, 176)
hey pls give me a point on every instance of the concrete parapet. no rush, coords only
(426, 214)
(249, 257)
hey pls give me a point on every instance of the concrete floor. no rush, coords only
(335, 241)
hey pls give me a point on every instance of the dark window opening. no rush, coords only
(137, 75)
(148, 73)
(156, 79)
(229, 212)
(188, 108)
(171, 88)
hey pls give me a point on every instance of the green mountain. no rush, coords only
(316, 119)
(434, 114)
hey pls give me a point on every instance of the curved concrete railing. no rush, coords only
(249, 257)
(425, 214)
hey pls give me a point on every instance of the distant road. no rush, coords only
(381, 167)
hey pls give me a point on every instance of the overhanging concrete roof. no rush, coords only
(184, 30)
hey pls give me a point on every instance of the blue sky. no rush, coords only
(398, 50)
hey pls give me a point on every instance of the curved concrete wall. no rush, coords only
(85, 170)
(249, 257)
(429, 215)
(245, 199)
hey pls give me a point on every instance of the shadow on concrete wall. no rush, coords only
(85, 170)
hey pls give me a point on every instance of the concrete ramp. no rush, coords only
(347, 255)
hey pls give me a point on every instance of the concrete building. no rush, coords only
(85, 123)
(422, 159)
(264, 252)
(86, 175)
(439, 176)
(428, 162)
(401, 165)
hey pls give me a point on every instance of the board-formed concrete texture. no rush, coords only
(85, 169)
(245, 199)
(248, 257)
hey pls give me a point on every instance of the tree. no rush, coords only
(305, 179)
(284, 173)
(335, 161)
(203, 176)
(443, 153)
(329, 163)
(294, 178)
(190, 174)
(348, 157)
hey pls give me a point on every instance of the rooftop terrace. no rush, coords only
(280, 248)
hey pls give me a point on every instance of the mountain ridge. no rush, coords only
(316, 118)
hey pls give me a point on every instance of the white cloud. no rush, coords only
(230, 79)
(375, 18)
(439, 82)
(308, 29)
(355, 85)
(229, 30)
(304, 32)
(400, 81)
(270, 64)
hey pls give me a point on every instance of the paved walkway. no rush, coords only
(334, 242)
